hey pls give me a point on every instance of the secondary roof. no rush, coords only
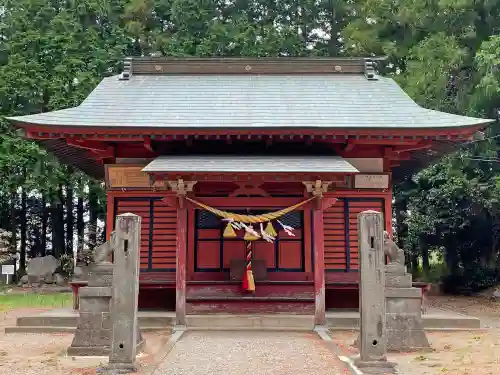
(256, 164)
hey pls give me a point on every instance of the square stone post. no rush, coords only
(372, 340)
(125, 298)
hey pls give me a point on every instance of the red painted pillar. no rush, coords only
(319, 267)
(180, 266)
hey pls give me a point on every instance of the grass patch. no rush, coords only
(26, 300)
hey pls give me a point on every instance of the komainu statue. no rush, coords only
(394, 253)
(102, 253)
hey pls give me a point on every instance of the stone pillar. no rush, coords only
(126, 334)
(372, 339)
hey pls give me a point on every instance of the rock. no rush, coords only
(496, 294)
(81, 273)
(48, 279)
(59, 279)
(42, 267)
(24, 280)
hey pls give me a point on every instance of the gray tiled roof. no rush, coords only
(246, 101)
(257, 163)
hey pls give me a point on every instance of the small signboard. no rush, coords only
(8, 269)
(371, 181)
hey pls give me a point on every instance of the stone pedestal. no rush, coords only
(94, 329)
(404, 325)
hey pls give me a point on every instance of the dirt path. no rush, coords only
(256, 353)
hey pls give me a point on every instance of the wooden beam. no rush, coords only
(137, 133)
(248, 190)
(148, 144)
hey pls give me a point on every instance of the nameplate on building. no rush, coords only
(371, 181)
(128, 176)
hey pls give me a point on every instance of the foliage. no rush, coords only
(66, 264)
(30, 300)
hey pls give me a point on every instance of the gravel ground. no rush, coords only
(454, 353)
(256, 353)
(45, 354)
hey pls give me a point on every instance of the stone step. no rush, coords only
(60, 329)
(285, 322)
(341, 321)
(69, 319)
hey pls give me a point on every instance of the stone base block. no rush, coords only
(374, 367)
(405, 333)
(396, 269)
(100, 275)
(122, 368)
(398, 281)
(89, 351)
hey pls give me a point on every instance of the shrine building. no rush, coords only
(248, 173)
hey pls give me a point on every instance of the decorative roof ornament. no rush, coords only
(370, 72)
(127, 70)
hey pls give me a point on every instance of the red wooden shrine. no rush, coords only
(248, 136)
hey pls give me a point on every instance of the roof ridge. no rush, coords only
(249, 66)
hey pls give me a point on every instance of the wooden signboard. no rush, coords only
(371, 181)
(120, 176)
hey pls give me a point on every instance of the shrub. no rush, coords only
(472, 279)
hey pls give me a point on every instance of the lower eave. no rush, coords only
(80, 159)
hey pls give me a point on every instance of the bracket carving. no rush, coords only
(318, 187)
(181, 188)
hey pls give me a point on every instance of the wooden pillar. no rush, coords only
(319, 267)
(180, 266)
(181, 187)
(317, 188)
(110, 214)
(388, 213)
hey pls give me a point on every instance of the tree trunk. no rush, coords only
(93, 212)
(44, 227)
(57, 220)
(80, 224)
(425, 258)
(69, 219)
(60, 219)
(23, 226)
(13, 220)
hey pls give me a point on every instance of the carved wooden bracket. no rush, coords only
(181, 188)
(317, 188)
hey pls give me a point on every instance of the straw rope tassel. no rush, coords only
(248, 281)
